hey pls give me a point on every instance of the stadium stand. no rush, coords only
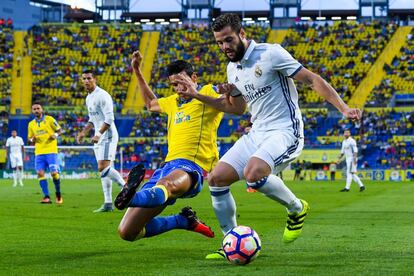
(62, 52)
(341, 53)
(399, 80)
(6, 63)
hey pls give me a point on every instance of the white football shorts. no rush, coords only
(105, 150)
(277, 148)
(16, 160)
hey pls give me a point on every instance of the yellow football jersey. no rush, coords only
(192, 129)
(42, 130)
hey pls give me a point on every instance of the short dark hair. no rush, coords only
(178, 66)
(227, 20)
(89, 71)
(36, 103)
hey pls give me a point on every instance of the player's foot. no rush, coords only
(106, 207)
(46, 200)
(251, 190)
(59, 199)
(362, 188)
(194, 224)
(294, 224)
(344, 190)
(14, 185)
(21, 184)
(217, 255)
(135, 177)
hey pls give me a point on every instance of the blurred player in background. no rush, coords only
(262, 75)
(15, 152)
(192, 148)
(101, 118)
(350, 151)
(43, 133)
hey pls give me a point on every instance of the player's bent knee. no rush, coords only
(131, 236)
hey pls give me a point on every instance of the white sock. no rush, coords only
(224, 207)
(348, 181)
(357, 180)
(14, 177)
(107, 189)
(273, 187)
(20, 176)
(113, 175)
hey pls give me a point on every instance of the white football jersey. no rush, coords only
(15, 144)
(349, 147)
(264, 78)
(101, 110)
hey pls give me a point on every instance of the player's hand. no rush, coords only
(52, 137)
(352, 113)
(79, 138)
(32, 140)
(95, 139)
(189, 85)
(136, 60)
(225, 88)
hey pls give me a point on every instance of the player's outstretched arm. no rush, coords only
(225, 103)
(149, 97)
(327, 92)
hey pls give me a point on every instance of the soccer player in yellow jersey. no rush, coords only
(192, 134)
(43, 132)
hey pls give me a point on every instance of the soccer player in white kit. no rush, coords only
(350, 150)
(262, 74)
(15, 151)
(101, 118)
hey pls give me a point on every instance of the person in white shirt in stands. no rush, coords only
(101, 118)
(350, 151)
(15, 151)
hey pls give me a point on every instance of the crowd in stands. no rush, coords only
(62, 53)
(399, 75)
(341, 53)
(6, 61)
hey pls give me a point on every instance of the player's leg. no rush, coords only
(13, 164)
(106, 187)
(20, 175)
(40, 166)
(258, 175)
(348, 177)
(105, 154)
(356, 178)
(54, 172)
(20, 169)
(160, 192)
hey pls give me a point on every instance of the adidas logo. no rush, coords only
(237, 79)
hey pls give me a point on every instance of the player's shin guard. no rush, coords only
(14, 177)
(43, 185)
(113, 174)
(224, 207)
(159, 225)
(273, 187)
(147, 198)
(56, 181)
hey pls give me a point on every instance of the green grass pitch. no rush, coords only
(366, 233)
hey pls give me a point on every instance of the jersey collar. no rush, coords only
(252, 45)
(41, 119)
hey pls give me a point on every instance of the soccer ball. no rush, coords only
(241, 245)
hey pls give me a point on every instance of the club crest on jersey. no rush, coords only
(180, 117)
(236, 79)
(258, 72)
